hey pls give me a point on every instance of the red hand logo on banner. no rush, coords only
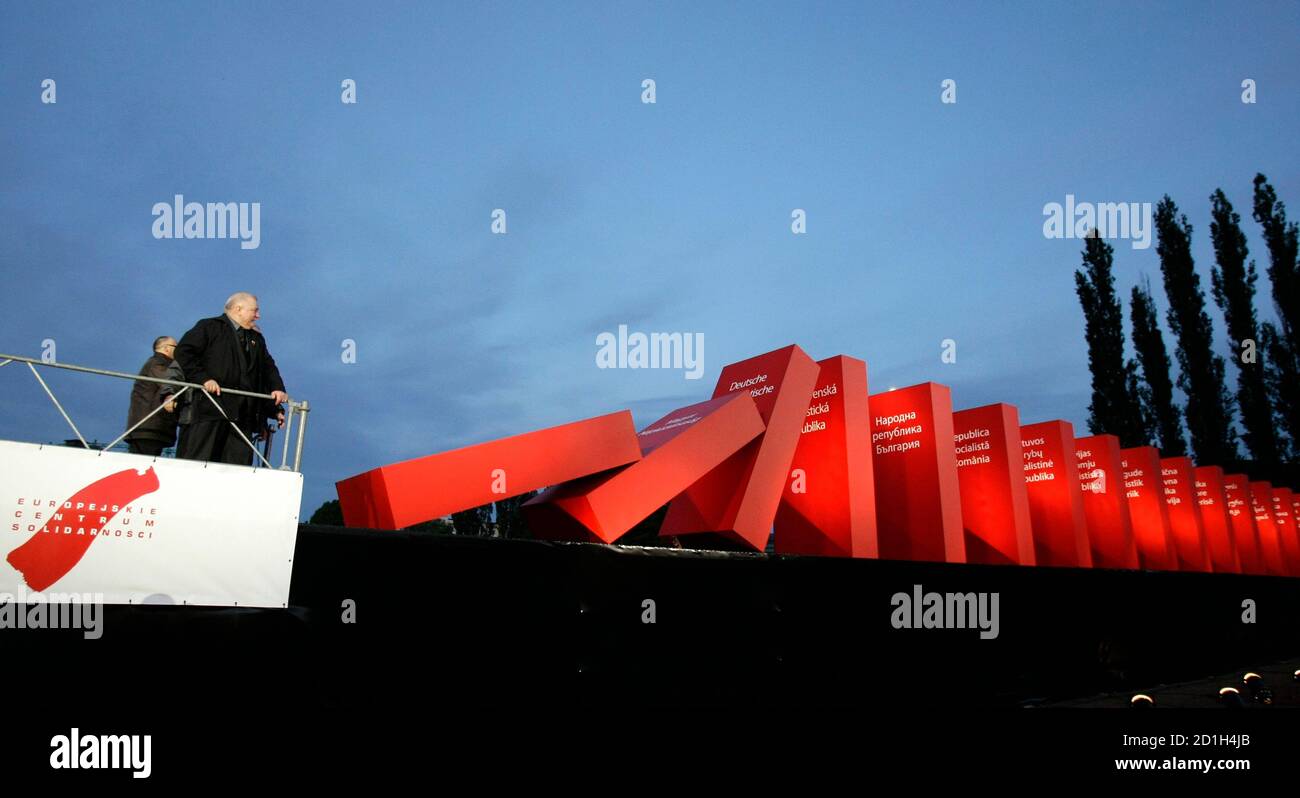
(48, 554)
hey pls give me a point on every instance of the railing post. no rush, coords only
(288, 431)
(62, 412)
(302, 429)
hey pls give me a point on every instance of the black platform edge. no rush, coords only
(550, 642)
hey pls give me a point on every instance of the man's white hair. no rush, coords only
(239, 298)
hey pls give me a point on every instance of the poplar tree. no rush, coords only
(1281, 374)
(1233, 286)
(1281, 239)
(1201, 372)
(1115, 407)
(1158, 393)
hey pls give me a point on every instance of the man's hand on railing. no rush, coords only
(279, 420)
(279, 397)
(211, 387)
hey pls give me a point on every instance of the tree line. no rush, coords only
(503, 519)
(1133, 398)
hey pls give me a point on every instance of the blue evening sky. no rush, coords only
(924, 219)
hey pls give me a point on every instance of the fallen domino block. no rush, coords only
(410, 492)
(676, 451)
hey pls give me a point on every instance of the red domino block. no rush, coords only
(410, 492)
(737, 501)
(1184, 520)
(1144, 492)
(1270, 547)
(918, 500)
(828, 507)
(994, 502)
(1101, 479)
(676, 451)
(1236, 491)
(1295, 514)
(1055, 498)
(364, 501)
(1212, 504)
(1286, 530)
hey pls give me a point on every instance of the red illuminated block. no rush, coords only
(1212, 504)
(918, 501)
(1055, 498)
(737, 500)
(676, 451)
(1270, 547)
(1144, 492)
(994, 502)
(410, 492)
(1101, 480)
(829, 504)
(1184, 520)
(1236, 490)
(1295, 516)
(1286, 530)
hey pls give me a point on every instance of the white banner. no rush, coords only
(141, 529)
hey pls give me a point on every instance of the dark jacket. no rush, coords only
(145, 396)
(211, 351)
(184, 403)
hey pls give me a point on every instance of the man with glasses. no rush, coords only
(159, 431)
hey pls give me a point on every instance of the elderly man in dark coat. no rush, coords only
(159, 431)
(228, 351)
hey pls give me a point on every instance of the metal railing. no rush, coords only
(296, 408)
